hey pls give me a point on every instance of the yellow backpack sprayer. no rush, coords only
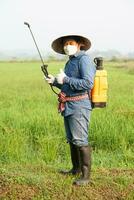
(99, 91)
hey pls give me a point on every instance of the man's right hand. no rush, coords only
(50, 79)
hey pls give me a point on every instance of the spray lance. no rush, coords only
(44, 66)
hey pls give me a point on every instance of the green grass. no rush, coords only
(32, 131)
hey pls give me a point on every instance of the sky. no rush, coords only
(109, 24)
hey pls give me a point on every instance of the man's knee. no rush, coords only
(80, 143)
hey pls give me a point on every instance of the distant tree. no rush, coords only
(52, 58)
(114, 59)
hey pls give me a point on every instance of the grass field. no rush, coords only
(32, 138)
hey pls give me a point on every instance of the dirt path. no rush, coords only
(44, 183)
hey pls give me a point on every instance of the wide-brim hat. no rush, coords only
(58, 44)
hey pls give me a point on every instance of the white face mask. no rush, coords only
(70, 49)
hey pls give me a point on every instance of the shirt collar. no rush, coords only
(80, 53)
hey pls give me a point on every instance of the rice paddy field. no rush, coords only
(32, 138)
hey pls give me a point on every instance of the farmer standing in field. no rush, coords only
(76, 82)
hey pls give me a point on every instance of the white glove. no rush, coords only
(51, 79)
(60, 76)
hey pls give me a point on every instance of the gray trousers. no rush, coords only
(76, 127)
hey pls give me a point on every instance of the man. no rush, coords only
(76, 83)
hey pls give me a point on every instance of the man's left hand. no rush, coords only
(60, 77)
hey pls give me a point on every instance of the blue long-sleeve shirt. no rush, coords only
(80, 73)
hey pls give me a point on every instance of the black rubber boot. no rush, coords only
(85, 155)
(75, 159)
